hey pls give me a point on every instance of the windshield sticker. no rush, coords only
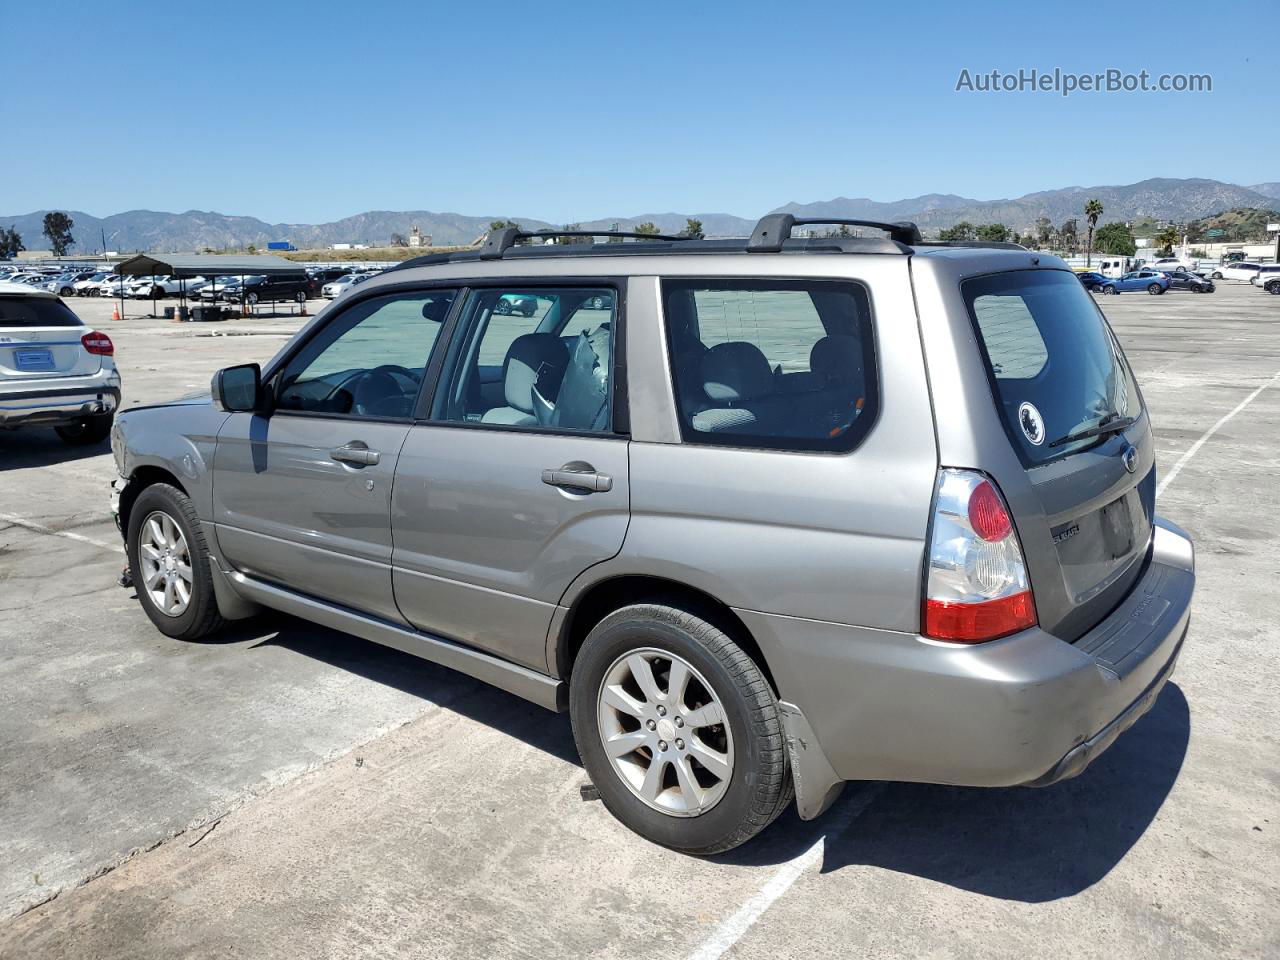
(1032, 423)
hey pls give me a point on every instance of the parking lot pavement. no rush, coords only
(353, 801)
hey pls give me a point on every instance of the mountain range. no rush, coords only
(1161, 199)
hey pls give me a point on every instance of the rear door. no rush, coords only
(40, 339)
(502, 497)
(1057, 374)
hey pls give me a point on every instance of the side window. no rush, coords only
(370, 360)
(532, 358)
(1013, 340)
(779, 364)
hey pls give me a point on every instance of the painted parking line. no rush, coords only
(65, 534)
(1204, 438)
(735, 927)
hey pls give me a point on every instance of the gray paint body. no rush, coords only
(462, 555)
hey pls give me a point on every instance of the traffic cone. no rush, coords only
(115, 313)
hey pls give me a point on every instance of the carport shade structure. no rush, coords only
(205, 265)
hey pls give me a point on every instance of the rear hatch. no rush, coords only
(40, 340)
(1073, 413)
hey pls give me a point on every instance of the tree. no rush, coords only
(10, 243)
(1115, 239)
(648, 228)
(497, 225)
(964, 230)
(1067, 235)
(399, 240)
(1165, 240)
(571, 228)
(1044, 231)
(1092, 211)
(1027, 240)
(993, 232)
(57, 227)
(693, 229)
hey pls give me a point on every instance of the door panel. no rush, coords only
(483, 548)
(287, 512)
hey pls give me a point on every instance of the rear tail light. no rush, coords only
(98, 344)
(976, 585)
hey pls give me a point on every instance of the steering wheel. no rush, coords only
(381, 392)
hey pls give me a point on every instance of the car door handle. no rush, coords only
(355, 453)
(578, 477)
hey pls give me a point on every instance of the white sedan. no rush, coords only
(1235, 270)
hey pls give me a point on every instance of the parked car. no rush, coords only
(54, 371)
(516, 305)
(804, 546)
(1188, 264)
(1267, 273)
(88, 287)
(1091, 280)
(1151, 281)
(60, 285)
(317, 278)
(344, 283)
(156, 288)
(221, 288)
(271, 290)
(1235, 270)
(1186, 280)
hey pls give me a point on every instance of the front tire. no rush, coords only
(1155, 289)
(1217, 275)
(678, 729)
(169, 559)
(1110, 291)
(86, 433)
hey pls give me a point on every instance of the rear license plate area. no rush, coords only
(33, 360)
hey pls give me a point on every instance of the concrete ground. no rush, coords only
(289, 791)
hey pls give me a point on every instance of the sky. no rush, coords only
(311, 111)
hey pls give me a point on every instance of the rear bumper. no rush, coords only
(58, 402)
(1027, 709)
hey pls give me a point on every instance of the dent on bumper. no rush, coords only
(1026, 709)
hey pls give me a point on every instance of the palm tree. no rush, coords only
(1092, 211)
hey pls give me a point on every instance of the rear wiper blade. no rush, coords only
(1106, 426)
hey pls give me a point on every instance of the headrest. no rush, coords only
(736, 371)
(837, 357)
(527, 356)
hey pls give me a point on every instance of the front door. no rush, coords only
(302, 497)
(503, 496)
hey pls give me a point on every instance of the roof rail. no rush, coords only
(975, 244)
(773, 230)
(498, 242)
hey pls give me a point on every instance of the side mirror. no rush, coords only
(239, 389)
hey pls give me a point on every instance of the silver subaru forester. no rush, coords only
(764, 515)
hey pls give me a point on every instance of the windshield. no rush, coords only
(1054, 365)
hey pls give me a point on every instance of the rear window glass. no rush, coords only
(35, 312)
(1054, 365)
(778, 364)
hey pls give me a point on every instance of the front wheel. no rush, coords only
(300, 297)
(169, 560)
(1273, 287)
(1155, 289)
(251, 299)
(1217, 275)
(678, 729)
(1110, 291)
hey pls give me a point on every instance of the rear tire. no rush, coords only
(1273, 287)
(199, 617)
(692, 807)
(1155, 289)
(89, 431)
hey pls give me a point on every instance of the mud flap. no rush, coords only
(817, 785)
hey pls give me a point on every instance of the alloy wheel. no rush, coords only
(665, 732)
(165, 560)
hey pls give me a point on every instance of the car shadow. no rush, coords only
(420, 678)
(1021, 844)
(40, 447)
